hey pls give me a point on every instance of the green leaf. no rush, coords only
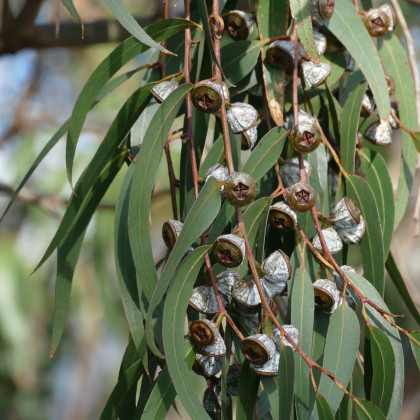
(318, 178)
(340, 354)
(126, 270)
(377, 175)
(163, 393)
(272, 18)
(239, 58)
(199, 218)
(173, 325)
(247, 393)
(350, 126)
(395, 61)
(371, 245)
(415, 346)
(416, 140)
(141, 191)
(126, 383)
(69, 248)
(68, 4)
(365, 410)
(300, 12)
(214, 156)
(347, 26)
(383, 362)
(378, 321)
(324, 410)
(121, 55)
(302, 317)
(105, 153)
(126, 19)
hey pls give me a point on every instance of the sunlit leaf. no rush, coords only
(415, 346)
(324, 409)
(247, 392)
(365, 410)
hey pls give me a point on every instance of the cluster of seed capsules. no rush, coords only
(346, 224)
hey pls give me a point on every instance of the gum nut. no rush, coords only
(322, 9)
(204, 332)
(301, 197)
(305, 138)
(225, 281)
(345, 214)
(377, 22)
(282, 217)
(340, 283)
(273, 289)
(207, 96)
(203, 299)
(303, 117)
(327, 296)
(208, 400)
(207, 366)
(315, 75)
(332, 240)
(217, 349)
(232, 380)
(281, 54)
(241, 117)
(292, 331)
(240, 189)
(249, 138)
(277, 267)
(392, 122)
(389, 11)
(245, 291)
(229, 250)
(258, 348)
(171, 230)
(354, 234)
(320, 42)
(367, 105)
(163, 89)
(269, 368)
(289, 171)
(246, 309)
(239, 25)
(219, 173)
(349, 61)
(380, 133)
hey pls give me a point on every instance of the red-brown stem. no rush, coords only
(216, 43)
(162, 55)
(172, 181)
(295, 40)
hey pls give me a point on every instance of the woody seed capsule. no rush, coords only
(258, 348)
(327, 296)
(340, 284)
(289, 171)
(380, 133)
(322, 9)
(229, 250)
(389, 11)
(377, 22)
(282, 217)
(240, 189)
(241, 117)
(225, 281)
(204, 332)
(315, 74)
(245, 292)
(269, 368)
(171, 230)
(345, 214)
(353, 235)
(217, 349)
(207, 96)
(207, 366)
(292, 331)
(301, 197)
(249, 138)
(305, 138)
(163, 89)
(203, 299)
(277, 267)
(239, 25)
(332, 240)
(281, 54)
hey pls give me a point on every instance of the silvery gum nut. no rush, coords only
(241, 117)
(208, 400)
(282, 217)
(207, 96)
(289, 171)
(377, 22)
(300, 197)
(367, 105)
(315, 74)
(340, 284)
(171, 230)
(320, 41)
(281, 54)
(225, 281)
(332, 240)
(249, 138)
(203, 299)
(354, 234)
(389, 10)
(217, 349)
(327, 296)
(258, 348)
(204, 332)
(245, 292)
(273, 289)
(207, 366)
(277, 267)
(162, 90)
(305, 138)
(269, 368)
(380, 133)
(345, 214)
(229, 250)
(322, 9)
(290, 330)
(239, 25)
(349, 61)
(219, 173)
(240, 189)
(232, 380)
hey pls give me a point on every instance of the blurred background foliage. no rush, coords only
(38, 88)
